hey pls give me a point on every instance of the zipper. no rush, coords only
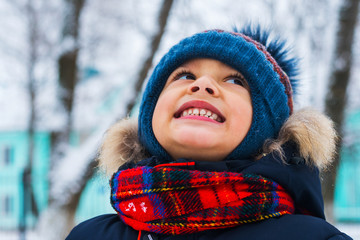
(147, 236)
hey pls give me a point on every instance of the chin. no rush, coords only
(198, 140)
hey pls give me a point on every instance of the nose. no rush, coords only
(204, 84)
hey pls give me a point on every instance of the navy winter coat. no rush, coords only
(300, 180)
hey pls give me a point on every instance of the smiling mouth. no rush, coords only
(199, 109)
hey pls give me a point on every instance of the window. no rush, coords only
(6, 205)
(7, 156)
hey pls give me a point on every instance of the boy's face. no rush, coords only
(203, 112)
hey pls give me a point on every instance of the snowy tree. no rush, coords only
(162, 20)
(26, 76)
(58, 219)
(33, 42)
(339, 80)
(68, 78)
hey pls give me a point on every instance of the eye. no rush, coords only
(236, 79)
(184, 75)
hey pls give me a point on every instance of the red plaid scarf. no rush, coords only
(169, 200)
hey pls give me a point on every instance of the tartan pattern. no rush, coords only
(170, 200)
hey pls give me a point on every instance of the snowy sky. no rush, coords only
(115, 39)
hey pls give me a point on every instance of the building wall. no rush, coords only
(14, 146)
(14, 150)
(347, 189)
(95, 200)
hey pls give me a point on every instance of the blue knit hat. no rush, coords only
(264, 64)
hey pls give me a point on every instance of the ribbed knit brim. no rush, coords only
(270, 87)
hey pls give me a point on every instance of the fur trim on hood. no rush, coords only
(313, 132)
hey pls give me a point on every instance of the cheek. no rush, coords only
(156, 123)
(162, 114)
(247, 109)
(162, 109)
(247, 114)
(157, 117)
(242, 119)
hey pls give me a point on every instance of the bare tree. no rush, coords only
(336, 96)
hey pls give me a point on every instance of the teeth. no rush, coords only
(201, 112)
(196, 111)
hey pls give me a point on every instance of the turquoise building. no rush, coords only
(95, 199)
(347, 191)
(14, 148)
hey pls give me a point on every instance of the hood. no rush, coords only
(313, 133)
(305, 145)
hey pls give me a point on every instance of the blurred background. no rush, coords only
(71, 68)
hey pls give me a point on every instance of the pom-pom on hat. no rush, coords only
(265, 65)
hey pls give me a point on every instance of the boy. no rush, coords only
(218, 152)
